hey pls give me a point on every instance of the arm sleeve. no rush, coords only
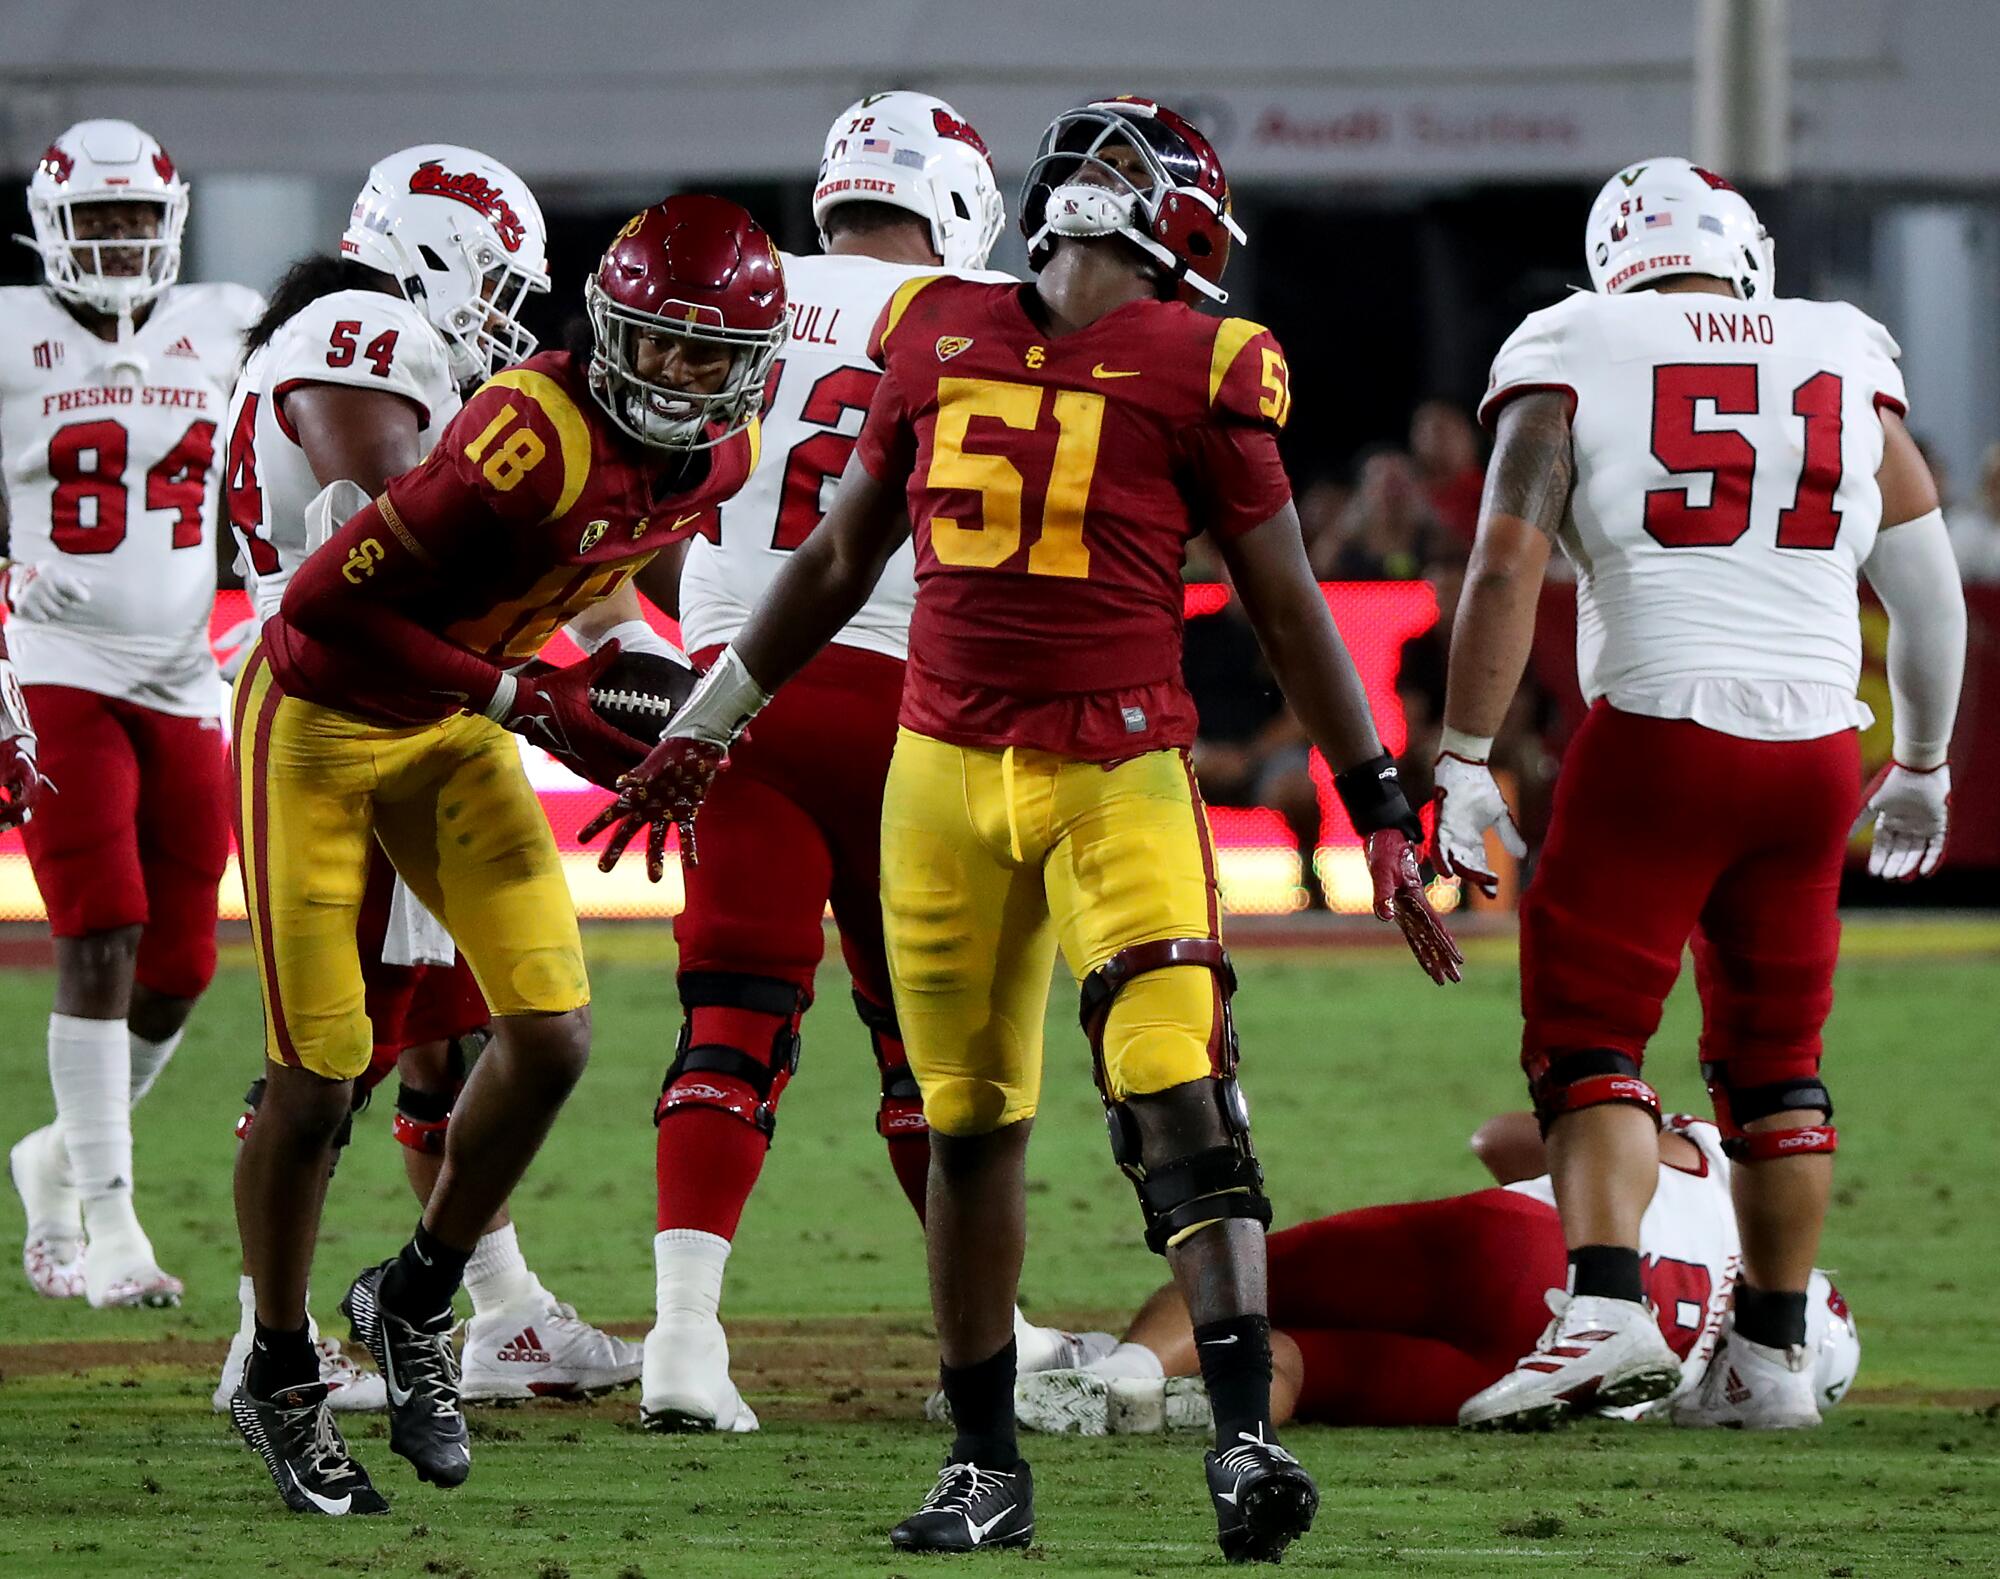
(1915, 576)
(1531, 360)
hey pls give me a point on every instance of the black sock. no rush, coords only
(982, 1408)
(1235, 1356)
(420, 1283)
(279, 1360)
(1775, 1320)
(1606, 1272)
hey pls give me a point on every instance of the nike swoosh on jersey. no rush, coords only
(1101, 371)
(333, 1505)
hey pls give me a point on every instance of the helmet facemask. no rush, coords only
(111, 274)
(662, 415)
(476, 303)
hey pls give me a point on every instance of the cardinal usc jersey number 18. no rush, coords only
(818, 394)
(111, 456)
(363, 339)
(1725, 498)
(1053, 484)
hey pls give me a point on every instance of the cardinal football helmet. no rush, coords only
(1830, 1337)
(695, 268)
(1665, 216)
(464, 240)
(106, 162)
(1180, 219)
(912, 151)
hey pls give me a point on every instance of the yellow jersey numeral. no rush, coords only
(1058, 548)
(513, 460)
(1277, 404)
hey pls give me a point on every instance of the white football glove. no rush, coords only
(234, 647)
(43, 592)
(1910, 810)
(1468, 803)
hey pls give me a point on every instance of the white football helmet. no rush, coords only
(1830, 1337)
(463, 238)
(915, 152)
(106, 162)
(1667, 216)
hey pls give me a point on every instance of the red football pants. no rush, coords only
(1665, 830)
(1403, 1312)
(137, 833)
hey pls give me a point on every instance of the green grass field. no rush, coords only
(1365, 1081)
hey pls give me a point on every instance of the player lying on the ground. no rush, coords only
(114, 379)
(1720, 463)
(353, 370)
(1395, 1315)
(1039, 792)
(381, 705)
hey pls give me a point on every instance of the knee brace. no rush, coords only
(254, 1098)
(1736, 1106)
(1568, 1082)
(421, 1119)
(901, 1111)
(1177, 1194)
(727, 1016)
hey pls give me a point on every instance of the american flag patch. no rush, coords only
(48, 353)
(877, 145)
(1657, 221)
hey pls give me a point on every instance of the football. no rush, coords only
(641, 691)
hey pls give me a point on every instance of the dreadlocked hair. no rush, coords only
(305, 282)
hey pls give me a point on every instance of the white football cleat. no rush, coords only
(1752, 1387)
(350, 1387)
(1597, 1354)
(684, 1382)
(1067, 1402)
(541, 1351)
(1053, 1349)
(127, 1277)
(52, 1253)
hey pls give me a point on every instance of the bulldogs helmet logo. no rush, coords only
(474, 191)
(948, 125)
(58, 165)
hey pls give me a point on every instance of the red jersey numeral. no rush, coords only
(1728, 459)
(1680, 1291)
(380, 352)
(821, 455)
(87, 513)
(243, 494)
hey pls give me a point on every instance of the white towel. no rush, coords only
(415, 936)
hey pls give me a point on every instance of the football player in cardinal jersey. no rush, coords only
(1719, 462)
(380, 704)
(352, 372)
(905, 191)
(114, 378)
(1057, 445)
(1395, 1315)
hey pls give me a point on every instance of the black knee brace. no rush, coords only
(1736, 1106)
(766, 996)
(1567, 1082)
(901, 1109)
(254, 1099)
(1179, 1193)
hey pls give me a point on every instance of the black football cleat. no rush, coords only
(295, 1436)
(1264, 1499)
(971, 1509)
(420, 1372)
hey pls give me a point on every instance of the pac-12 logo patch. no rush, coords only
(593, 534)
(949, 345)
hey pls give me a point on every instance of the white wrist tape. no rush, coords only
(722, 705)
(1456, 743)
(503, 699)
(631, 636)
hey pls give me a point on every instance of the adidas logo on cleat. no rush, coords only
(525, 1348)
(1734, 1390)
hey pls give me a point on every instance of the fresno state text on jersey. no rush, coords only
(818, 393)
(109, 456)
(1725, 498)
(529, 509)
(1054, 481)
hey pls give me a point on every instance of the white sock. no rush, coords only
(1132, 1360)
(90, 1069)
(497, 1276)
(687, 1271)
(148, 1059)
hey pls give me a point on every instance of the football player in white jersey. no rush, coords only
(905, 189)
(112, 382)
(1719, 463)
(352, 372)
(1395, 1315)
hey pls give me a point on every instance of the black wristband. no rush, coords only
(1374, 798)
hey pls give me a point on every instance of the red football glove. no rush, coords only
(554, 711)
(1399, 897)
(664, 791)
(21, 783)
